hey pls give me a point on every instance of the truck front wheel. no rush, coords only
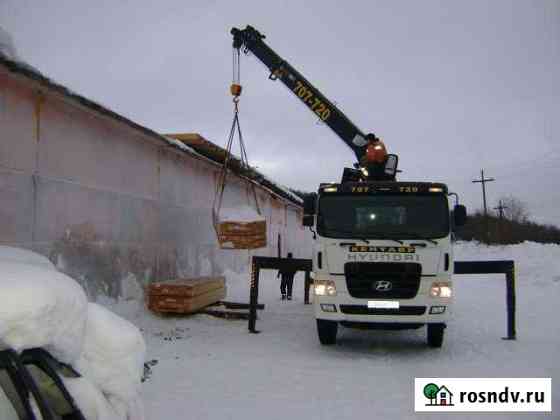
(327, 331)
(435, 334)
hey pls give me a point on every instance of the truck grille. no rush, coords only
(366, 280)
(364, 310)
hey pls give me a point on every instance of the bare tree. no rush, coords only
(515, 209)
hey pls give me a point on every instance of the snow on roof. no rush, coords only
(285, 189)
(7, 46)
(217, 154)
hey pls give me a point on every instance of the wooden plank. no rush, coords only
(242, 243)
(201, 145)
(180, 304)
(186, 287)
(223, 313)
(237, 305)
(242, 228)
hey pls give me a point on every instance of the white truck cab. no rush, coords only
(382, 257)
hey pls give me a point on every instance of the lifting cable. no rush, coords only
(235, 90)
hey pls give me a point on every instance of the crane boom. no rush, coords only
(252, 40)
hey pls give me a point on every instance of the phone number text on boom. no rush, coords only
(316, 105)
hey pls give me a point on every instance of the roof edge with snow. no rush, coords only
(197, 146)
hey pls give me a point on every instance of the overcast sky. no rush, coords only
(451, 87)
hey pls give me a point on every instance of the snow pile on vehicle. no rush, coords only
(41, 307)
(8, 253)
(242, 214)
(113, 356)
(89, 399)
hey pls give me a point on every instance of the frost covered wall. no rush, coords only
(113, 206)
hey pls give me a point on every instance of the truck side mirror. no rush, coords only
(391, 165)
(308, 220)
(309, 204)
(460, 215)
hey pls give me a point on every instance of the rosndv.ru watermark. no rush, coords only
(483, 394)
(504, 397)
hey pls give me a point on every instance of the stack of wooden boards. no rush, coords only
(185, 295)
(242, 235)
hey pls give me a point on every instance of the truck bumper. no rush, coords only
(412, 313)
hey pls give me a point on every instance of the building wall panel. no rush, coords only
(111, 206)
(16, 208)
(17, 122)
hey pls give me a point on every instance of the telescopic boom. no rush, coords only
(369, 150)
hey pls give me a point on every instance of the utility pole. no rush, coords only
(501, 209)
(483, 181)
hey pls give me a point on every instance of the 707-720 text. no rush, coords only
(316, 105)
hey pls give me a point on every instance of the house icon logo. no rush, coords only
(438, 395)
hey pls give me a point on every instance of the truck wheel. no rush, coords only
(435, 334)
(327, 331)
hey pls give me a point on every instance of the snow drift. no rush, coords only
(114, 354)
(41, 307)
(89, 399)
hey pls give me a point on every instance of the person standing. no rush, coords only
(287, 280)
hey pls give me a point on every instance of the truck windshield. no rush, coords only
(383, 216)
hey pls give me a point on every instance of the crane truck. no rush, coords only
(382, 253)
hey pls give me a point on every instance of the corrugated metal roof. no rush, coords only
(194, 141)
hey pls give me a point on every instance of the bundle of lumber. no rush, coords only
(242, 235)
(240, 228)
(185, 295)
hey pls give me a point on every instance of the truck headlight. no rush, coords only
(324, 288)
(441, 289)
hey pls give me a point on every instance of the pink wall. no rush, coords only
(108, 202)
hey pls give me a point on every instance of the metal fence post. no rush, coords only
(510, 302)
(307, 283)
(254, 296)
(506, 267)
(272, 263)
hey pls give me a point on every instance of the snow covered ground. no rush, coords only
(210, 368)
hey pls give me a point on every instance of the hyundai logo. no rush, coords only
(383, 286)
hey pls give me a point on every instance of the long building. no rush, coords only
(109, 200)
